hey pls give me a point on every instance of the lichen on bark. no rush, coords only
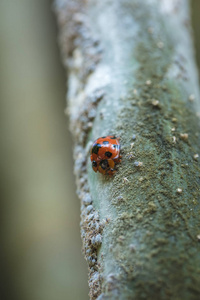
(131, 72)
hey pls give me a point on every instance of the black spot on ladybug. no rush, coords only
(104, 164)
(95, 148)
(103, 137)
(94, 163)
(105, 142)
(113, 137)
(108, 154)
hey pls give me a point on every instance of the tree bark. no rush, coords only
(131, 72)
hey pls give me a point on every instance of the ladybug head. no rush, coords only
(94, 165)
(104, 164)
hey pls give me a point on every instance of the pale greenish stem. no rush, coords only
(140, 228)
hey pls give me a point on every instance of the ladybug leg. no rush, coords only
(111, 172)
(95, 169)
(111, 163)
(101, 170)
(118, 160)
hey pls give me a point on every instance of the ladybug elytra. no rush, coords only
(105, 154)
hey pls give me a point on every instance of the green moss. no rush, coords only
(159, 221)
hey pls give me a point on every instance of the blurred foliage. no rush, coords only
(41, 249)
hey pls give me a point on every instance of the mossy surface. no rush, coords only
(150, 248)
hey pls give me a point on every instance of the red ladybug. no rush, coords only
(105, 154)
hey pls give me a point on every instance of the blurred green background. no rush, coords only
(41, 248)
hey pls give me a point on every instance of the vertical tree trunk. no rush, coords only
(131, 72)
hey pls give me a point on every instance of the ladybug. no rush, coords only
(105, 154)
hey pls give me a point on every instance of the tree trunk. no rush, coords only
(131, 73)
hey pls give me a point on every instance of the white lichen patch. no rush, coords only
(155, 102)
(138, 164)
(174, 120)
(168, 6)
(184, 136)
(125, 180)
(191, 97)
(196, 156)
(174, 139)
(148, 82)
(132, 145)
(130, 155)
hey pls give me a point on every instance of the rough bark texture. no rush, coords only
(131, 72)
